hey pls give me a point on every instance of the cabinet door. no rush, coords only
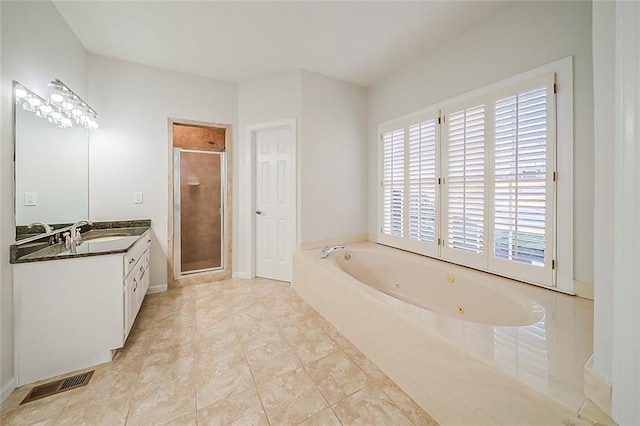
(141, 274)
(129, 303)
(147, 268)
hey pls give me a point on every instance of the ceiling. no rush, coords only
(359, 42)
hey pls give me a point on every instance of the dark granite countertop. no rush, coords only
(101, 238)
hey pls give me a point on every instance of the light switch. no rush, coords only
(137, 198)
(30, 198)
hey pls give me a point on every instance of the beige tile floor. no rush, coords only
(245, 352)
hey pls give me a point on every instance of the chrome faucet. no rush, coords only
(328, 249)
(46, 227)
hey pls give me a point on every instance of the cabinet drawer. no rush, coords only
(136, 252)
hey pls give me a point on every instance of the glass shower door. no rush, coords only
(198, 197)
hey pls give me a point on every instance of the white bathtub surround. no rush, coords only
(442, 361)
(595, 415)
(596, 388)
(583, 289)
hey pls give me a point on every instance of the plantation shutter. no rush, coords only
(520, 177)
(422, 181)
(465, 179)
(523, 183)
(476, 186)
(393, 182)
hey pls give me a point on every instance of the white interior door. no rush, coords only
(274, 203)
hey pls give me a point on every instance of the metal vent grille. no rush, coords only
(58, 386)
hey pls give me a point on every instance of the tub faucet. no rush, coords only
(46, 227)
(328, 249)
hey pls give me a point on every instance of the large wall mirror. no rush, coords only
(51, 169)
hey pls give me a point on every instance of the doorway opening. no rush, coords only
(199, 202)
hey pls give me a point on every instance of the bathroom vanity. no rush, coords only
(74, 308)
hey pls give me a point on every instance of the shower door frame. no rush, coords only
(177, 212)
(209, 275)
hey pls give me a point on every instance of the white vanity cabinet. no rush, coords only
(73, 313)
(136, 284)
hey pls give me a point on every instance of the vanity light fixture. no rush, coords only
(62, 107)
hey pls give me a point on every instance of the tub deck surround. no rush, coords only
(490, 372)
(40, 249)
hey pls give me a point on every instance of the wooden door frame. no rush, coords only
(252, 130)
(226, 271)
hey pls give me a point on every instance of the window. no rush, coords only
(489, 200)
(410, 166)
(393, 183)
(520, 177)
(422, 181)
(465, 183)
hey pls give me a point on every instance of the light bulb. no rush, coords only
(34, 101)
(56, 98)
(20, 92)
(65, 122)
(56, 115)
(45, 109)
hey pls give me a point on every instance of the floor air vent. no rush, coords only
(58, 386)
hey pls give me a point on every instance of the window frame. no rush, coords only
(562, 220)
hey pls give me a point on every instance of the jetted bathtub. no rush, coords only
(435, 328)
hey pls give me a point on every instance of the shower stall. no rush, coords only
(199, 194)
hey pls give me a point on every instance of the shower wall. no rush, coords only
(199, 138)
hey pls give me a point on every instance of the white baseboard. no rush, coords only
(308, 245)
(7, 388)
(244, 275)
(157, 289)
(596, 388)
(583, 289)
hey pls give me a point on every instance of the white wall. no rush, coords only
(129, 152)
(519, 38)
(331, 118)
(34, 58)
(269, 98)
(603, 85)
(625, 360)
(333, 159)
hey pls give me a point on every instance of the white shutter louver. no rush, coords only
(422, 181)
(393, 182)
(465, 174)
(520, 177)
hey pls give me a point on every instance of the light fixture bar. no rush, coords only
(62, 108)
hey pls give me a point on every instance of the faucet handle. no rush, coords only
(67, 240)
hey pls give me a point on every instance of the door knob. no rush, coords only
(260, 212)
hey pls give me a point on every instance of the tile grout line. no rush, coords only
(255, 384)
